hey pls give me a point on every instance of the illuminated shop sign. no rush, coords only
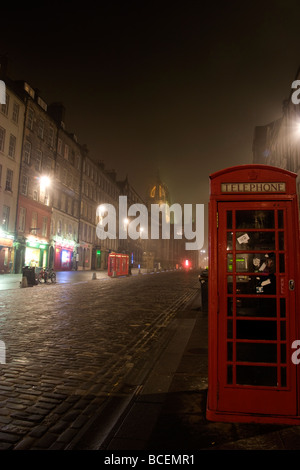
(64, 243)
(6, 239)
(6, 242)
(253, 187)
(65, 256)
(37, 245)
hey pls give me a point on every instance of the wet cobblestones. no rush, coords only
(69, 346)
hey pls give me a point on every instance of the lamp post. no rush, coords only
(45, 182)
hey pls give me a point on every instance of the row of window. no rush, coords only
(59, 228)
(93, 192)
(88, 212)
(63, 149)
(5, 218)
(65, 203)
(63, 174)
(98, 193)
(67, 178)
(87, 233)
(15, 109)
(40, 127)
(68, 154)
(40, 227)
(8, 179)
(34, 229)
(63, 229)
(38, 193)
(12, 143)
(97, 177)
(39, 160)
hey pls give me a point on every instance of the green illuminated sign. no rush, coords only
(36, 245)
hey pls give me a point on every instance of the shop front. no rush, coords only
(64, 255)
(96, 258)
(36, 253)
(85, 256)
(6, 253)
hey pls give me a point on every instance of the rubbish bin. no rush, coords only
(203, 279)
(29, 273)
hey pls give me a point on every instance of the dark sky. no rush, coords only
(171, 86)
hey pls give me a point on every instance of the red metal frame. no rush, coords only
(229, 400)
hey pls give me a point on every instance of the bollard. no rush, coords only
(94, 276)
(114, 274)
(24, 282)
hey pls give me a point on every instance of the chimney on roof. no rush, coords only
(57, 111)
(112, 174)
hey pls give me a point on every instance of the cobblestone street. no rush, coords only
(70, 346)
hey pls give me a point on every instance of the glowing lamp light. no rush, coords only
(101, 210)
(44, 181)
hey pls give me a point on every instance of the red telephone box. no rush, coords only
(118, 264)
(253, 296)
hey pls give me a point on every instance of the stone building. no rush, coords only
(54, 195)
(97, 189)
(169, 249)
(108, 193)
(66, 194)
(136, 249)
(278, 142)
(12, 110)
(36, 172)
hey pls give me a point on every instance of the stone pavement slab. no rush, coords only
(176, 413)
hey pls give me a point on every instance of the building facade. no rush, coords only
(34, 206)
(107, 193)
(54, 195)
(168, 250)
(11, 138)
(66, 195)
(97, 189)
(278, 143)
(135, 249)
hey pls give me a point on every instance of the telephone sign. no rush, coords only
(253, 295)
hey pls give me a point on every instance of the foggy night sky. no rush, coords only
(169, 86)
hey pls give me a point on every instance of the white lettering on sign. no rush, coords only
(253, 187)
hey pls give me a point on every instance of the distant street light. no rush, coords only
(101, 209)
(44, 182)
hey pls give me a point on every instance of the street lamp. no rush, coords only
(101, 209)
(44, 182)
